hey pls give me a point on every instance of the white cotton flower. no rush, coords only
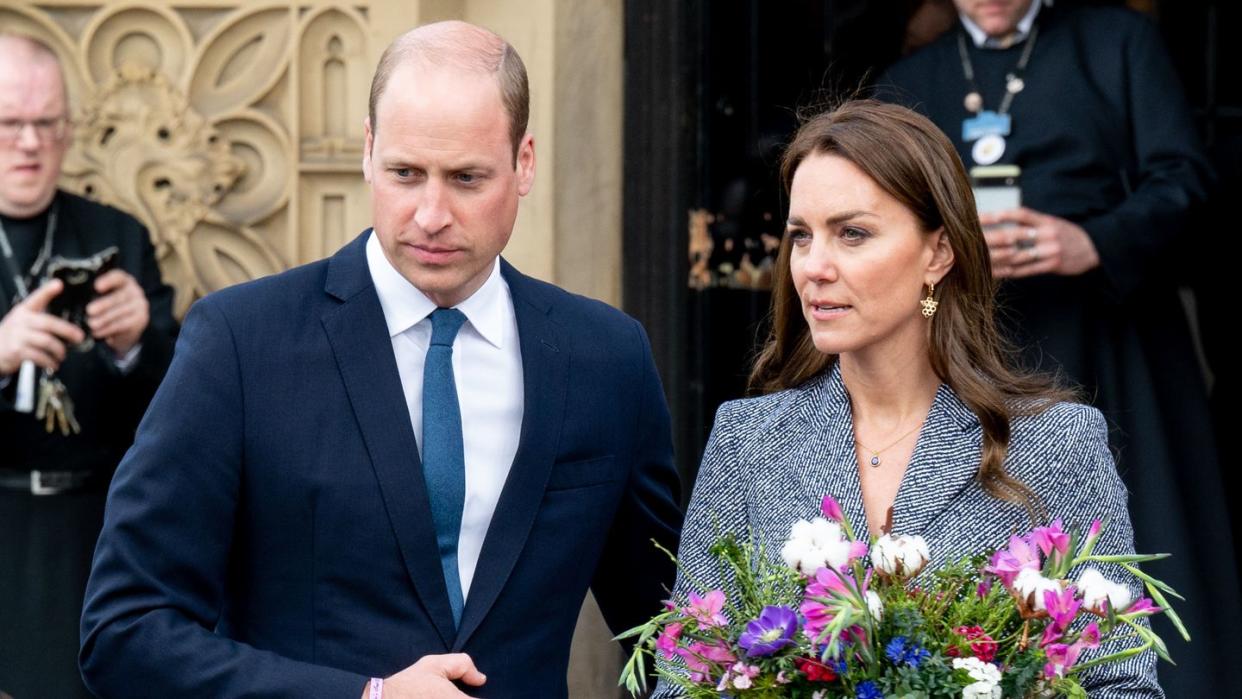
(1031, 586)
(900, 556)
(819, 694)
(815, 544)
(875, 605)
(1095, 589)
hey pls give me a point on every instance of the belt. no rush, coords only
(47, 482)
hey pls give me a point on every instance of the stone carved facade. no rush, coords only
(233, 130)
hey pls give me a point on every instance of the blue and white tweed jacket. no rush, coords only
(770, 461)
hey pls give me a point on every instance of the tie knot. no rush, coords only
(445, 322)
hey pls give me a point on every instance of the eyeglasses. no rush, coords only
(47, 128)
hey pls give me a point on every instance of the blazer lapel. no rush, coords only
(359, 338)
(545, 371)
(826, 465)
(944, 462)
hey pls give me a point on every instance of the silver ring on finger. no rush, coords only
(1028, 240)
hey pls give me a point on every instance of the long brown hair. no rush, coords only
(911, 160)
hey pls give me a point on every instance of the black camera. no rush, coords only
(78, 276)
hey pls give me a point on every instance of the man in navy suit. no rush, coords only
(408, 461)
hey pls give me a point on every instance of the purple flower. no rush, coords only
(832, 510)
(707, 610)
(772, 631)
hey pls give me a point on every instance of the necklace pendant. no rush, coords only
(875, 460)
(974, 102)
(1015, 85)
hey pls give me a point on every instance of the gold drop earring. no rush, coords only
(929, 304)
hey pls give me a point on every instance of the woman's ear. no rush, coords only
(942, 255)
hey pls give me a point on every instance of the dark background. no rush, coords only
(712, 92)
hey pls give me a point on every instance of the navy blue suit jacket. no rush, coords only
(268, 535)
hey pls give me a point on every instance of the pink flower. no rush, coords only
(1090, 636)
(1007, 563)
(708, 610)
(667, 642)
(832, 510)
(1061, 657)
(818, 616)
(984, 588)
(1093, 534)
(1062, 607)
(1052, 538)
(702, 658)
(1144, 607)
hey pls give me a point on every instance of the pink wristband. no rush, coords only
(377, 688)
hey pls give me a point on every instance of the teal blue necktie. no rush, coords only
(444, 460)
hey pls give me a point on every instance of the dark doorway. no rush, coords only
(712, 94)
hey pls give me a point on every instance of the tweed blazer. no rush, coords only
(770, 460)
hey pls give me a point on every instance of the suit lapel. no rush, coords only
(359, 338)
(945, 461)
(545, 370)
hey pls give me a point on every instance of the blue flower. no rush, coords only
(902, 651)
(896, 649)
(868, 690)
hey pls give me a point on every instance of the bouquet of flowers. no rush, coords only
(841, 619)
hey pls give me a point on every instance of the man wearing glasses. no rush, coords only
(71, 395)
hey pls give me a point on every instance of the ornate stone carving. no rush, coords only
(139, 146)
(233, 130)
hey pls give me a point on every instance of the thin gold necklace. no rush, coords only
(875, 453)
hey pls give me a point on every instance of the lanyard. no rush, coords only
(19, 282)
(1013, 82)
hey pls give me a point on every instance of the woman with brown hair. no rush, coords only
(885, 382)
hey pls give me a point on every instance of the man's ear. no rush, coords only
(368, 142)
(526, 164)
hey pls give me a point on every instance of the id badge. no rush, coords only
(986, 124)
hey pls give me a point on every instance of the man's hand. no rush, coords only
(1031, 243)
(120, 315)
(28, 332)
(432, 678)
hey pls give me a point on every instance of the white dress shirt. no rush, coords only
(487, 369)
(983, 41)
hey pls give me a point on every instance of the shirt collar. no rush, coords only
(983, 41)
(405, 306)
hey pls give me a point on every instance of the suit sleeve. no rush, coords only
(1103, 497)
(157, 586)
(1168, 176)
(716, 506)
(632, 576)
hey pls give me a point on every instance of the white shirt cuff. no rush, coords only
(126, 363)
